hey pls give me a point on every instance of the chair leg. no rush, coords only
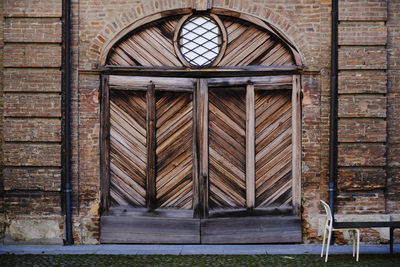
(354, 242)
(358, 243)
(328, 243)
(323, 242)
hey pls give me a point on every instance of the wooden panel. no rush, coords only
(118, 82)
(250, 45)
(105, 144)
(138, 229)
(273, 229)
(273, 149)
(151, 146)
(137, 225)
(227, 148)
(149, 46)
(261, 82)
(128, 150)
(202, 166)
(250, 147)
(296, 145)
(174, 150)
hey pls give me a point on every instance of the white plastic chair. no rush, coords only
(328, 229)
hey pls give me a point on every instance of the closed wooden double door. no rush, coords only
(214, 148)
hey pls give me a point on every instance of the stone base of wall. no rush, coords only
(368, 235)
(86, 231)
(33, 231)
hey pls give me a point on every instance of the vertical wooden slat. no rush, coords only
(202, 112)
(296, 145)
(151, 148)
(250, 147)
(105, 143)
(197, 205)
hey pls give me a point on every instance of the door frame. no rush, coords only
(267, 78)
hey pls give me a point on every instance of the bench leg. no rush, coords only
(391, 240)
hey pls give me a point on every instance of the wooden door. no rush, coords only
(222, 148)
(250, 164)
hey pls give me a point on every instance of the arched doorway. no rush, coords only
(201, 133)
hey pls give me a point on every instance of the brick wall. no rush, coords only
(31, 117)
(393, 166)
(362, 111)
(2, 211)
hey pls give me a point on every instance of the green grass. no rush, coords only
(197, 260)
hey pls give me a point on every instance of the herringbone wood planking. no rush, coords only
(248, 44)
(149, 46)
(174, 150)
(227, 149)
(273, 149)
(128, 148)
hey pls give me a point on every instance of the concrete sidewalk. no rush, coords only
(192, 249)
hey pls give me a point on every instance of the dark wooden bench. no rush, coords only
(392, 225)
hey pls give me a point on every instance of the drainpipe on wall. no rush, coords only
(334, 110)
(67, 119)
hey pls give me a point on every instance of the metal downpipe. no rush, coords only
(334, 110)
(67, 120)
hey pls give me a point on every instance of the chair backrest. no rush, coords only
(328, 211)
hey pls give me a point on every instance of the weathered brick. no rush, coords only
(394, 119)
(362, 154)
(362, 106)
(363, 10)
(32, 204)
(394, 155)
(362, 130)
(32, 80)
(21, 154)
(35, 130)
(357, 203)
(33, 30)
(32, 105)
(32, 55)
(46, 179)
(393, 184)
(359, 82)
(359, 58)
(33, 8)
(394, 42)
(362, 33)
(361, 179)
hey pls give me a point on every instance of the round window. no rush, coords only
(200, 40)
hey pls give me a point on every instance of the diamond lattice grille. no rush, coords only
(200, 41)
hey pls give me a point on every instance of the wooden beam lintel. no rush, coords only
(202, 73)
